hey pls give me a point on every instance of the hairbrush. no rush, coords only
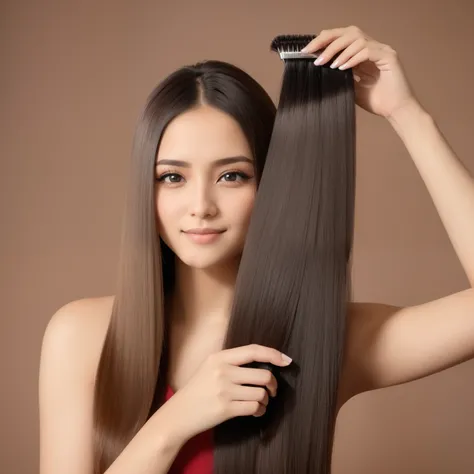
(290, 46)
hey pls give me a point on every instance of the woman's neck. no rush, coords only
(203, 295)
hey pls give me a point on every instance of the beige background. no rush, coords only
(74, 77)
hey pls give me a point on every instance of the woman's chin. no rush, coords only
(206, 260)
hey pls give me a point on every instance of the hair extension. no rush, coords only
(293, 282)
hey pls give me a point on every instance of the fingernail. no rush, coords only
(344, 66)
(286, 359)
(319, 60)
(304, 50)
(334, 64)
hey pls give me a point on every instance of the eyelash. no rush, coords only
(244, 176)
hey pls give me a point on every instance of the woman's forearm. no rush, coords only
(153, 449)
(448, 181)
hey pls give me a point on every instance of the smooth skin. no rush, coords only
(385, 345)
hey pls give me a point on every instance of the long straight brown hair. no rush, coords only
(293, 282)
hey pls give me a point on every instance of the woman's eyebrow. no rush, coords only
(219, 162)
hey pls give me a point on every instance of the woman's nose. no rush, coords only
(202, 201)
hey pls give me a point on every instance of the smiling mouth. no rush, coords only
(206, 238)
(203, 232)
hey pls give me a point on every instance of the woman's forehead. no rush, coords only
(203, 136)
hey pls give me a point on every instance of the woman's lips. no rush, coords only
(204, 238)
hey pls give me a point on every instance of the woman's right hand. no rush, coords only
(215, 392)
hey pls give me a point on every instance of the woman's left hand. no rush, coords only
(380, 83)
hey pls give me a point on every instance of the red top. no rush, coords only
(196, 456)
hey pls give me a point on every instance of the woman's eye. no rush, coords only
(163, 177)
(243, 176)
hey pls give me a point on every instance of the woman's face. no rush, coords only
(199, 192)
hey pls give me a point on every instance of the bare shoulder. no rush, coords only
(70, 351)
(80, 325)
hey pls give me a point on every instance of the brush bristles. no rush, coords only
(290, 43)
(289, 46)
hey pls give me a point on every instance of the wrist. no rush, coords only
(407, 116)
(171, 434)
(406, 111)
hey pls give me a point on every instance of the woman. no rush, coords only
(386, 345)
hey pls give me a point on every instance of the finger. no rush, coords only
(335, 47)
(248, 394)
(239, 408)
(323, 39)
(260, 410)
(357, 46)
(253, 353)
(373, 52)
(263, 377)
